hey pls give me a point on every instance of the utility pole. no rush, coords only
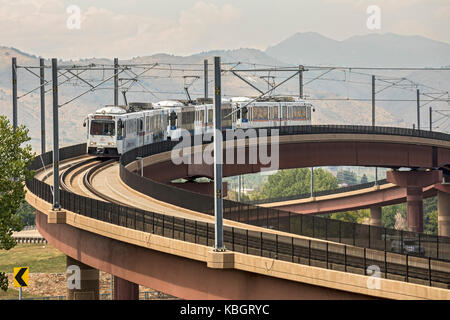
(116, 81)
(239, 188)
(418, 109)
(56, 204)
(312, 182)
(205, 76)
(14, 91)
(373, 101)
(300, 81)
(431, 119)
(218, 194)
(42, 82)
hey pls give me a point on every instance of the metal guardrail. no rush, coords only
(436, 247)
(353, 257)
(355, 187)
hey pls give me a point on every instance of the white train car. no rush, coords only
(112, 130)
(270, 113)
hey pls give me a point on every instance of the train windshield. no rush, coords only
(103, 128)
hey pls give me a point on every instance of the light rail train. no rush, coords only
(113, 130)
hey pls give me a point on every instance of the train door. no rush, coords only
(274, 115)
(140, 131)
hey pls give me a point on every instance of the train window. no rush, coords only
(275, 113)
(210, 115)
(147, 124)
(299, 113)
(172, 119)
(102, 128)
(119, 128)
(284, 114)
(141, 125)
(201, 116)
(260, 113)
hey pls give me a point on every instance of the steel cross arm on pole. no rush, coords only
(67, 80)
(434, 98)
(319, 76)
(75, 75)
(263, 94)
(136, 80)
(92, 89)
(247, 82)
(28, 69)
(392, 84)
(140, 74)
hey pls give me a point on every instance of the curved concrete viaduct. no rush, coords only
(423, 155)
(173, 266)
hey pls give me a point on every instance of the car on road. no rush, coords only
(409, 246)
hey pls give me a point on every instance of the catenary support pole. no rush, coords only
(373, 101)
(14, 91)
(116, 81)
(42, 94)
(431, 119)
(205, 76)
(218, 203)
(300, 81)
(56, 204)
(418, 109)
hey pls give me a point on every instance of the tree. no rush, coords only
(364, 179)
(357, 216)
(14, 163)
(291, 182)
(346, 177)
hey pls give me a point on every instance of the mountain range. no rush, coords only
(341, 96)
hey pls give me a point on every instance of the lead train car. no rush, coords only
(111, 131)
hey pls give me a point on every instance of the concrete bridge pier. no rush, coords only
(443, 213)
(82, 281)
(125, 290)
(375, 217)
(414, 181)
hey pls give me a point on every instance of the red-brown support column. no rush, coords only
(82, 281)
(443, 214)
(375, 217)
(414, 208)
(125, 290)
(414, 181)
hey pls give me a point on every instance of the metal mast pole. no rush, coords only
(373, 101)
(218, 202)
(418, 109)
(431, 119)
(42, 78)
(205, 70)
(239, 186)
(56, 204)
(373, 120)
(14, 91)
(116, 81)
(312, 182)
(300, 81)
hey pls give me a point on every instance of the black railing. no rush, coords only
(355, 187)
(366, 236)
(303, 251)
(352, 255)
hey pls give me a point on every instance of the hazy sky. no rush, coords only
(124, 29)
